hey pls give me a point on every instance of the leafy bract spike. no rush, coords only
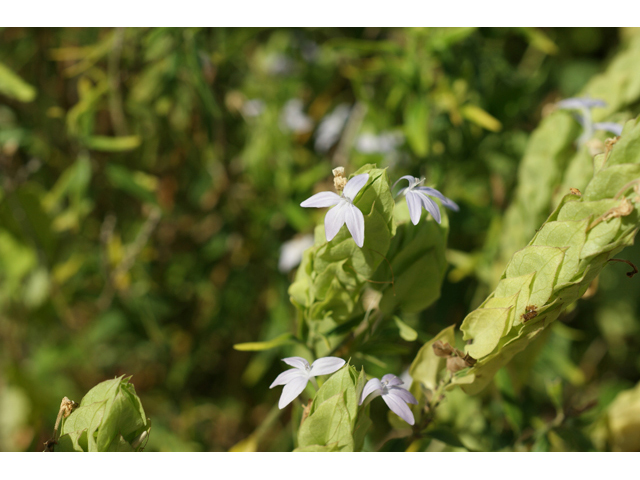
(557, 266)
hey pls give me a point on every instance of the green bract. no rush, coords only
(334, 423)
(551, 164)
(556, 268)
(110, 418)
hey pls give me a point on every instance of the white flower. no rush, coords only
(294, 119)
(291, 252)
(344, 211)
(393, 395)
(417, 198)
(386, 142)
(295, 379)
(331, 127)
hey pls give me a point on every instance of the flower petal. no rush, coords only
(415, 206)
(391, 379)
(291, 391)
(297, 362)
(430, 206)
(612, 127)
(578, 103)
(404, 394)
(410, 178)
(288, 375)
(397, 406)
(447, 202)
(326, 365)
(334, 220)
(354, 185)
(372, 385)
(321, 200)
(355, 223)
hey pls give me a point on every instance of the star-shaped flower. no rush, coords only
(394, 396)
(344, 211)
(295, 379)
(417, 198)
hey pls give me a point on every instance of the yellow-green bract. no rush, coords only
(110, 418)
(556, 268)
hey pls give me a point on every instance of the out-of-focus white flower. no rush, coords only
(331, 127)
(344, 211)
(291, 252)
(279, 64)
(253, 107)
(294, 119)
(386, 142)
(295, 379)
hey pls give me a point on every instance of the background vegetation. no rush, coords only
(150, 177)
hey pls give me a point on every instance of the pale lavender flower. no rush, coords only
(344, 211)
(417, 198)
(291, 252)
(584, 106)
(295, 379)
(394, 396)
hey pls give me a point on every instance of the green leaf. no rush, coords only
(406, 332)
(13, 86)
(112, 144)
(416, 118)
(126, 180)
(284, 339)
(477, 115)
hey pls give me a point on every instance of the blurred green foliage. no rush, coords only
(149, 178)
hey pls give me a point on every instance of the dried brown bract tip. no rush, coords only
(442, 349)
(455, 364)
(530, 312)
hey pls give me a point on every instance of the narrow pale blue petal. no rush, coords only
(447, 202)
(326, 365)
(578, 103)
(297, 362)
(355, 223)
(415, 206)
(372, 385)
(410, 178)
(291, 391)
(404, 394)
(612, 127)
(321, 200)
(354, 185)
(430, 206)
(391, 379)
(334, 220)
(287, 376)
(397, 406)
